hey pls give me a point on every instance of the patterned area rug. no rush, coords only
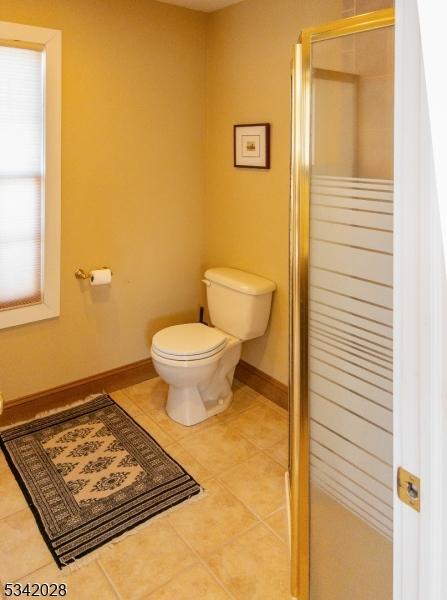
(91, 473)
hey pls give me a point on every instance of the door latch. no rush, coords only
(409, 488)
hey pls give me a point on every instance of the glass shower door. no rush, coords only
(345, 287)
(350, 344)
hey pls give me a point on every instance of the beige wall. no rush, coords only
(371, 56)
(353, 99)
(135, 93)
(132, 185)
(374, 53)
(248, 81)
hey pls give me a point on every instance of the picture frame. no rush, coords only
(251, 142)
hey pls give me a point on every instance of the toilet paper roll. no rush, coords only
(100, 277)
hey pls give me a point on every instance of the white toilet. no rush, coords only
(198, 361)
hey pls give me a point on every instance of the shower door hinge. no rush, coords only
(409, 488)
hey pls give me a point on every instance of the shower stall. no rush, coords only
(341, 458)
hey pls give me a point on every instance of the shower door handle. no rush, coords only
(409, 488)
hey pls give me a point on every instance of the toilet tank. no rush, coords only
(238, 302)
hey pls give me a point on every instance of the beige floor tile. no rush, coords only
(192, 584)
(11, 497)
(145, 561)
(263, 426)
(188, 462)
(243, 399)
(174, 429)
(148, 394)
(253, 566)
(280, 452)
(86, 583)
(3, 463)
(125, 402)
(213, 520)
(156, 563)
(278, 522)
(258, 482)
(22, 549)
(279, 409)
(219, 447)
(151, 427)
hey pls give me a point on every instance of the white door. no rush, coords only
(420, 427)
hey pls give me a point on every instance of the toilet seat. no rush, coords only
(188, 342)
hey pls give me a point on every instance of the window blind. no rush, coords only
(21, 176)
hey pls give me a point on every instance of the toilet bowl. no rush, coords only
(197, 360)
(199, 370)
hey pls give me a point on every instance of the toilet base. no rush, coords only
(199, 389)
(185, 405)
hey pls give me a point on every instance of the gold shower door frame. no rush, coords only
(299, 460)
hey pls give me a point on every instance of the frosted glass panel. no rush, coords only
(351, 317)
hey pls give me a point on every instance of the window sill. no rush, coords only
(28, 314)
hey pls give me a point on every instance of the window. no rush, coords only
(29, 173)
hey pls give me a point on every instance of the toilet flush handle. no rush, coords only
(206, 282)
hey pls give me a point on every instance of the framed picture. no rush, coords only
(252, 146)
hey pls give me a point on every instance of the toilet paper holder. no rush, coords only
(81, 274)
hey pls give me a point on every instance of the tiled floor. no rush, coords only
(229, 544)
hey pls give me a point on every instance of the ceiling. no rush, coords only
(203, 5)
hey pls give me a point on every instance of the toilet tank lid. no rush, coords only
(244, 282)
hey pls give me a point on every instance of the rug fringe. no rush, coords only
(79, 563)
(54, 411)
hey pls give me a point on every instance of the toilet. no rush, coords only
(198, 360)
